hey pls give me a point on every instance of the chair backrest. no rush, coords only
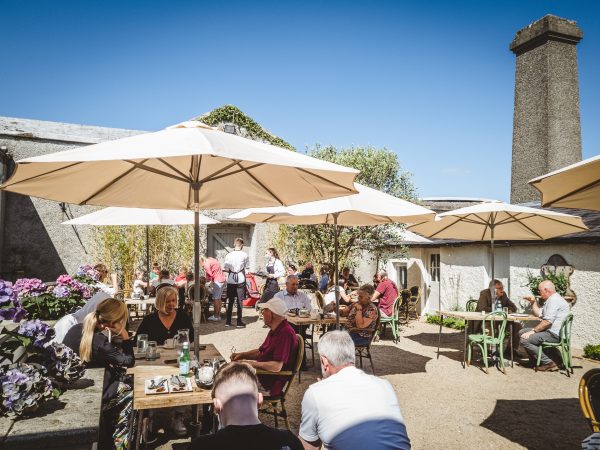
(471, 305)
(565, 329)
(405, 294)
(162, 285)
(297, 364)
(491, 319)
(190, 293)
(320, 299)
(589, 398)
(395, 308)
(376, 328)
(415, 293)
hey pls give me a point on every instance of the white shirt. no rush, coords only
(137, 287)
(300, 300)
(66, 322)
(278, 269)
(555, 310)
(158, 281)
(337, 409)
(236, 262)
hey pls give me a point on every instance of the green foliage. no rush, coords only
(560, 282)
(592, 351)
(123, 248)
(232, 114)
(49, 307)
(379, 169)
(450, 322)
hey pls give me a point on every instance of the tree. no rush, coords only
(379, 169)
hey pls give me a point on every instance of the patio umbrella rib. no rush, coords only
(220, 171)
(312, 174)
(458, 219)
(110, 183)
(45, 173)
(585, 228)
(261, 184)
(573, 192)
(525, 226)
(141, 166)
(222, 175)
(173, 168)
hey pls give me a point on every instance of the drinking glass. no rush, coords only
(142, 343)
(152, 350)
(505, 310)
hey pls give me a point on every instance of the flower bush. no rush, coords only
(22, 388)
(87, 274)
(62, 363)
(39, 333)
(10, 307)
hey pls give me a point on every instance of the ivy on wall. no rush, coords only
(232, 114)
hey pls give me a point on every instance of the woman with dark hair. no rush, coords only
(275, 270)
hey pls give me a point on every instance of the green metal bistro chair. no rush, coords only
(471, 305)
(495, 337)
(563, 346)
(393, 320)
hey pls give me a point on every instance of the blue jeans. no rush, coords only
(360, 341)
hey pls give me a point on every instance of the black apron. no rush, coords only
(271, 286)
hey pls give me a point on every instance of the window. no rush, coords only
(402, 272)
(434, 266)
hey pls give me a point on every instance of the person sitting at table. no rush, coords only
(236, 400)
(323, 280)
(279, 350)
(362, 316)
(553, 313)
(163, 278)
(180, 283)
(345, 299)
(292, 270)
(167, 320)
(139, 284)
(348, 277)
(291, 296)
(92, 340)
(500, 301)
(111, 289)
(386, 293)
(155, 272)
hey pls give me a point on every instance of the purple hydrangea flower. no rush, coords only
(29, 287)
(61, 291)
(40, 332)
(22, 388)
(88, 271)
(64, 280)
(7, 292)
(10, 307)
(63, 363)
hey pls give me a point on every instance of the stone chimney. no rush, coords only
(546, 128)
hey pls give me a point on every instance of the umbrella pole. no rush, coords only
(148, 257)
(440, 306)
(336, 274)
(493, 286)
(197, 307)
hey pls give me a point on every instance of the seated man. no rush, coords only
(553, 313)
(349, 409)
(500, 300)
(163, 278)
(236, 400)
(279, 350)
(386, 293)
(362, 316)
(348, 277)
(291, 296)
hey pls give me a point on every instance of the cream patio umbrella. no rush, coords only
(368, 207)
(490, 221)
(574, 186)
(140, 216)
(186, 166)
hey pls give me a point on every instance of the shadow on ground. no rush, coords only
(449, 340)
(539, 424)
(392, 360)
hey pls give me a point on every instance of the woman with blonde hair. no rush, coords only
(167, 320)
(92, 340)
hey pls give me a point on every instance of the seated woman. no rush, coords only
(139, 284)
(345, 299)
(167, 320)
(362, 316)
(92, 340)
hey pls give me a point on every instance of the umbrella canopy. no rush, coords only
(575, 186)
(187, 166)
(163, 169)
(140, 216)
(368, 207)
(496, 220)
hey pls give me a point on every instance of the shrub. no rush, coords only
(560, 283)
(450, 322)
(592, 351)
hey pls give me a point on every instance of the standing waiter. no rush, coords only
(275, 270)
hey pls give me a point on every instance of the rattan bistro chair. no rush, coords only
(589, 398)
(274, 405)
(471, 305)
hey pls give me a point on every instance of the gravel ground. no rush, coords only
(444, 405)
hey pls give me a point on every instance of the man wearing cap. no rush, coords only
(278, 351)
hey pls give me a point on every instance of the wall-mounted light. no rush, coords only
(228, 128)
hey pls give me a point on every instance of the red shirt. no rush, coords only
(213, 270)
(388, 293)
(280, 344)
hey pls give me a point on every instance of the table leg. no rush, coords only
(512, 336)
(140, 429)
(440, 335)
(464, 362)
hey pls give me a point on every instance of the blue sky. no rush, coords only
(432, 81)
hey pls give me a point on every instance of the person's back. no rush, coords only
(236, 400)
(350, 409)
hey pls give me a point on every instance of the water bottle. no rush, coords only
(184, 360)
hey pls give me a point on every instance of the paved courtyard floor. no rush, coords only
(444, 405)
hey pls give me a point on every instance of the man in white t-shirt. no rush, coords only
(235, 265)
(349, 409)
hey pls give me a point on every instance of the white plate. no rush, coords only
(518, 315)
(149, 391)
(187, 388)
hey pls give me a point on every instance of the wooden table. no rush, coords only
(304, 322)
(144, 370)
(478, 316)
